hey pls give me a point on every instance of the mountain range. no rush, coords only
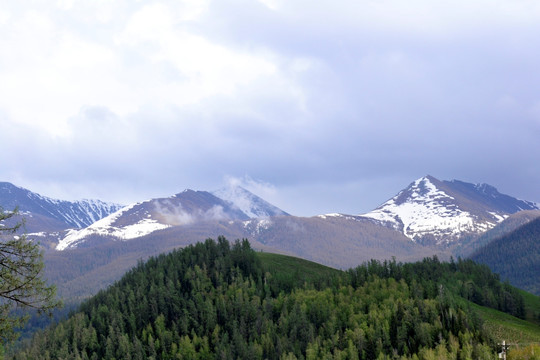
(427, 217)
(429, 212)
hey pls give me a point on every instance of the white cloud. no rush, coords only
(261, 188)
(175, 214)
(203, 68)
(149, 58)
(271, 4)
(4, 16)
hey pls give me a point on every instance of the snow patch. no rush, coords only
(106, 227)
(498, 217)
(141, 228)
(324, 216)
(38, 234)
(257, 226)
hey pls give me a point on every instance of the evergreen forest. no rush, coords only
(221, 300)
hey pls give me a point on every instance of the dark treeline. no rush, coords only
(214, 300)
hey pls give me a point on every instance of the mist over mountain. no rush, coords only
(183, 209)
(250, 204)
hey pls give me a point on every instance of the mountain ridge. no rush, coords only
(515, 256)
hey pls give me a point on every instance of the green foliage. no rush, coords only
(21, 283)
(531, 352)
(214, 300)
(465, 278)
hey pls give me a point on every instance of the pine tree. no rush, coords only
(21, 282)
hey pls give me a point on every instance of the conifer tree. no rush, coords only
(21, 282)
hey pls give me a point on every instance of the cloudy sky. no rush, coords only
(325, 106)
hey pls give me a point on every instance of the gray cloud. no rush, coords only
(338, 110)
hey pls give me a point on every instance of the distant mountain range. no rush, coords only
(44, 214)
(429, 212)
(427, 217)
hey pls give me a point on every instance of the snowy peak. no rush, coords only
(55, 214)
(423, 209)
(247, 202)
(424, 189)
(434, 211)
(140, 219)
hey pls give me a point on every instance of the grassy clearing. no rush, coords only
(532, 307)
(506, 327)
(297, 270)
(511, 329)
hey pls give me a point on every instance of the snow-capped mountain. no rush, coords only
(250, 204)
(186, 208)
(46, 214)
(440, 212)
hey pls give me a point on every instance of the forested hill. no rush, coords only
(214, 300)
(515, 256)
